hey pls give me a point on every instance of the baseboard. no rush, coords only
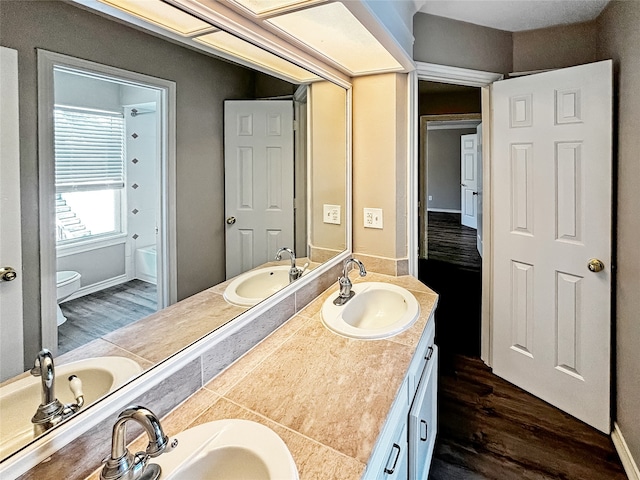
(444, 210)
(96, 287)
(629, 464)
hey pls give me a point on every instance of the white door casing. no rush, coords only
(469, 180)
(551, 191)
(11, 354)
(259, 178)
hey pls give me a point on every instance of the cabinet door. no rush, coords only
(395, 467)
(423, 421)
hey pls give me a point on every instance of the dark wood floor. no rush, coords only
(488, 428)
(491, 430)
(95, 315)
(451, 242)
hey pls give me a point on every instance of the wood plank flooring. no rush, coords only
(489, 429)
(450, 241)
(93, 316)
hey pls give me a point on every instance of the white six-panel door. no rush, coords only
(469, 180)
(259, 174)
(551, 189)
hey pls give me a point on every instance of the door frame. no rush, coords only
(166, 247)
(434, 122)
(471, 78)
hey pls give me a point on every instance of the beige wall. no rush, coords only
(380, 162)
(619, 38)
(555, 47)
(328, 144)
(459, 44)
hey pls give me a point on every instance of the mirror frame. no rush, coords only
(43, 447)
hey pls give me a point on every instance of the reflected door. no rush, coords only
(259, 177)
(469, 180)
(11, 355)
(551, 187)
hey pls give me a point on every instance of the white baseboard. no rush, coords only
(443, 210)
(96, 287)
(629, 464)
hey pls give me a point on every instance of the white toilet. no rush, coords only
(67, 283)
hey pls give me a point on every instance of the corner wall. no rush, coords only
(459, 44)
(618, 38)
(380, 169)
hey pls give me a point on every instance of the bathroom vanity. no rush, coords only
(345, 408)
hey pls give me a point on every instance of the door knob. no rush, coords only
(463, 184)
(231, 220)
(595, 265)
(8, 274)
(475, 193)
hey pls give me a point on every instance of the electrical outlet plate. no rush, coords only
(331, 214)
(373, 218)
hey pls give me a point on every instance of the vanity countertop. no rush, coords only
(325, 395)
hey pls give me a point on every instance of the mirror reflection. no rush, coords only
(153, 195)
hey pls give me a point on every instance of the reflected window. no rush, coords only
(89, 173)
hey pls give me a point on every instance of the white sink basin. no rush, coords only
(254, 286)
(377, 310)
(228, 450)
(19, 400)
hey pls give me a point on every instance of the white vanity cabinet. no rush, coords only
(405, 445)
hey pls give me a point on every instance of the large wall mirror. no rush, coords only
(140, 186)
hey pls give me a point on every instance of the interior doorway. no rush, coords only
(449, 167)
(106, 178)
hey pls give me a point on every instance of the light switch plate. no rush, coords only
(373, 218)
(331, 214)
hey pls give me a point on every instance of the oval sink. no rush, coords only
(228, 449)
(19, 400)
(377, 310)
(254, 286)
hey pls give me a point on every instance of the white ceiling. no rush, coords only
(516, 15)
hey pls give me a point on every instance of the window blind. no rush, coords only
(89, 149)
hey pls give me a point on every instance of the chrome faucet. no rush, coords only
(294, 272)
(345, 284)
(124, 465)
(51, 411)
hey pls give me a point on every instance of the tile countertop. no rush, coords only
(325, 395)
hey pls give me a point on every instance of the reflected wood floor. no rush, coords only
(451, 242)
(490, 429)
(93, 316)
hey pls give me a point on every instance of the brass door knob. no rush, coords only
(231, 220)
(595, 265)
(7, 274)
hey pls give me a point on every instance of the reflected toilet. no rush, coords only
(67, 283)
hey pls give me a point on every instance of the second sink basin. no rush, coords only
(254, 286)
(230, 449)
(377, 310)
(20, 399)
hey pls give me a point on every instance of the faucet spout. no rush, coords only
(43, 368)
(345, 283)
(51, 411)
(123, 464)
(294, 272)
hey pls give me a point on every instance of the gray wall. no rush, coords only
(460, 44)
(619, 39)
(202, 85)
(443, 167)
(554, 47)
(615, 34)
